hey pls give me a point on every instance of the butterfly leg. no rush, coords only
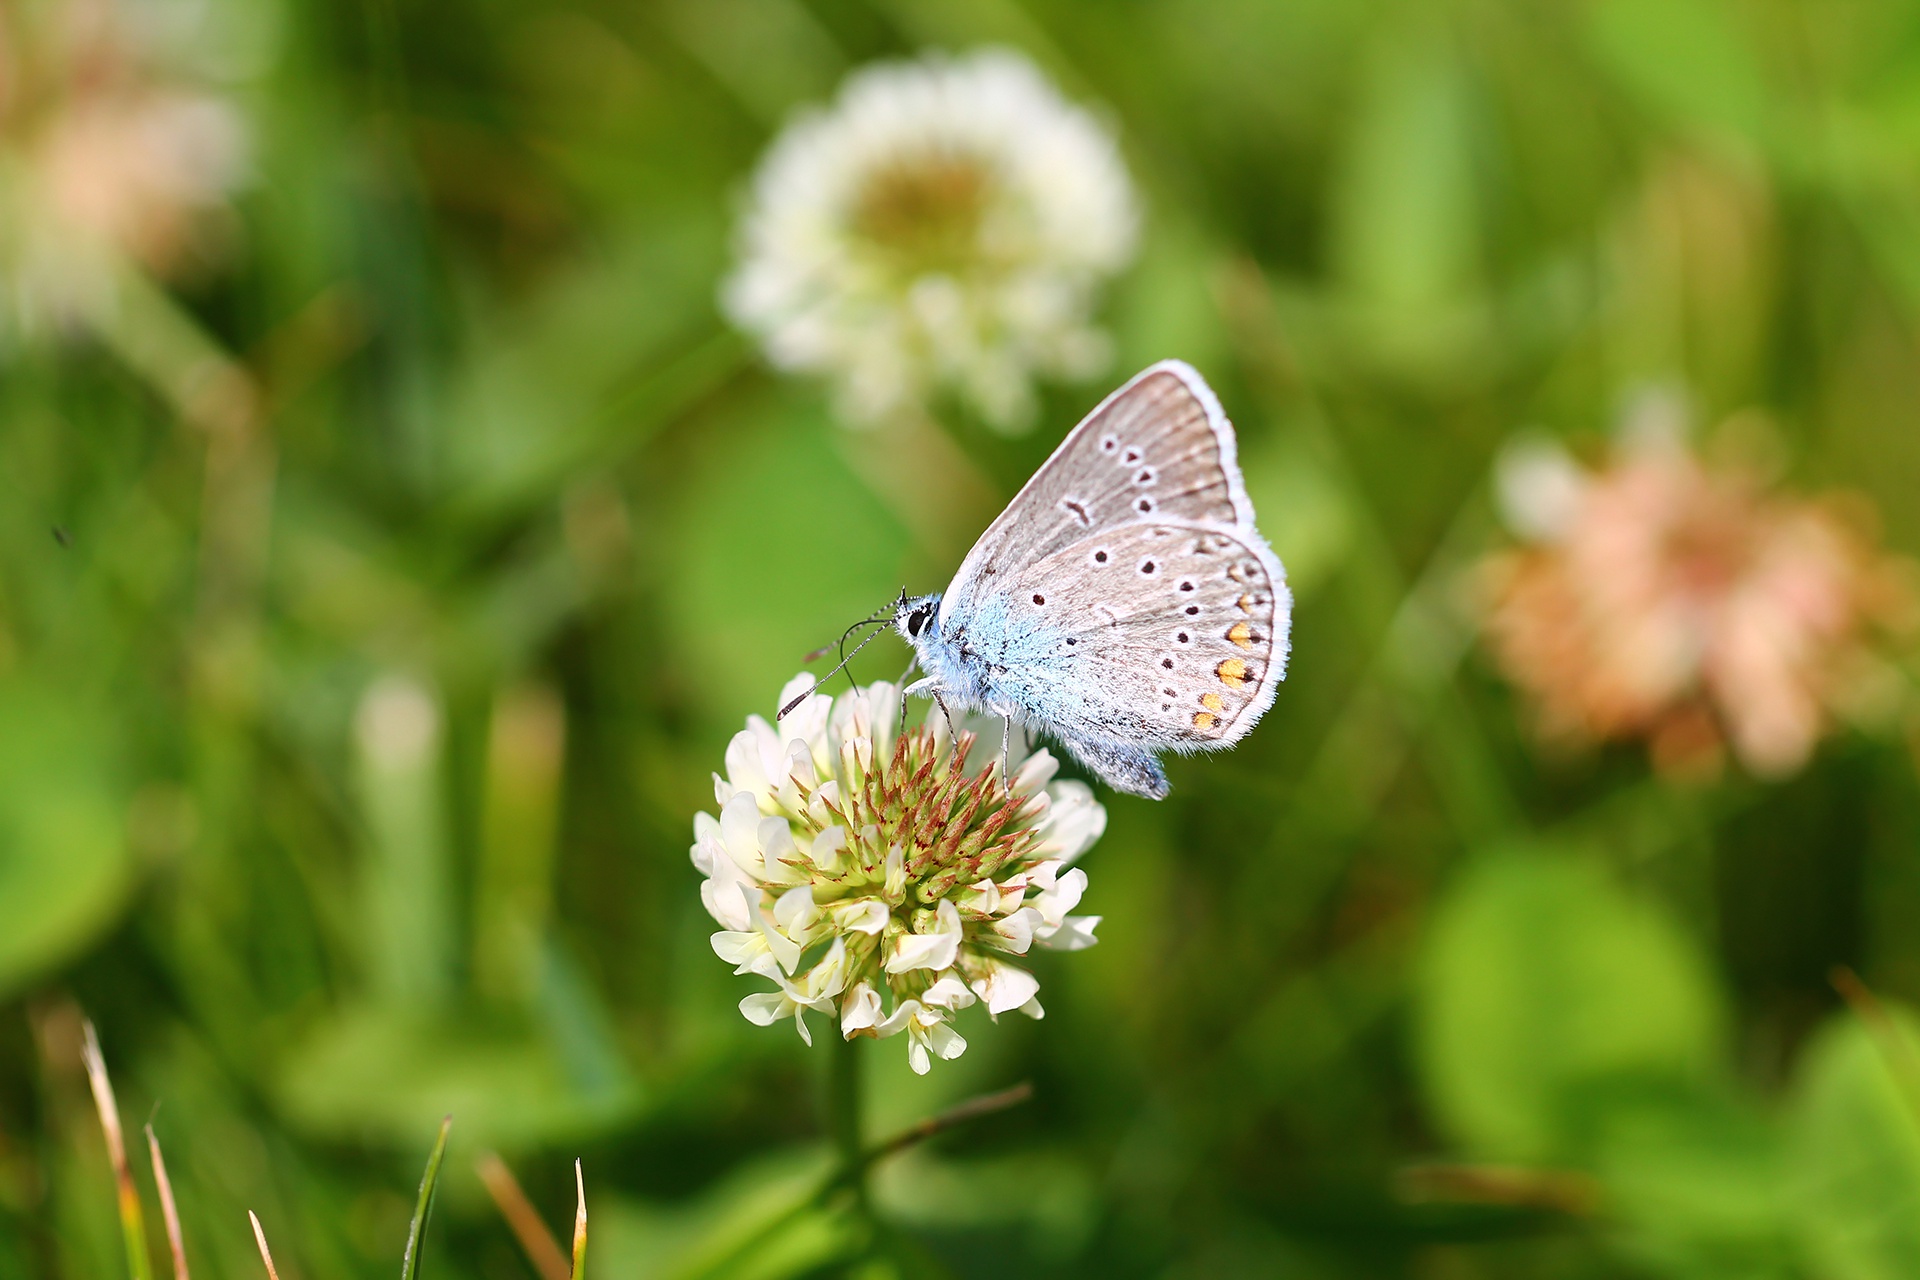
(911, 664)
(1006, 752)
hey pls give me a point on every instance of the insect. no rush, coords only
(1123, 603)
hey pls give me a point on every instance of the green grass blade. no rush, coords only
(423, 1208)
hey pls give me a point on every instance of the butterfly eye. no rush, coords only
(915, 621)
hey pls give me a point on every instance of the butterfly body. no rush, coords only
(1124, 602)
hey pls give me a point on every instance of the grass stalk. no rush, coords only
(579, 1223)
(842, 1112)
(423, 1206)
(260, 1238)
(169, 1212)
(536, 1241)
(133, 1229)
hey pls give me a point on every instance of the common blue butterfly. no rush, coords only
(1124, 603)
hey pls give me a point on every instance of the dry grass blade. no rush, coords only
(955, 1116)
(579, 1223)
(169, 1213)
(536, 1241)
(1562, 1191)
(132, 1222)
(423, 1207)
(260, 1238)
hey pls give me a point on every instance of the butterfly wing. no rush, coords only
(1169, 636)
(1131, 603)
(1158, 448)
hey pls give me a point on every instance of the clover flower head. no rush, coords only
(1664, 597)
(889, 880)
(108, 153)
(944, 227)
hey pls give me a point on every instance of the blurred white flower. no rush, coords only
(107, 154)
(878, 878)
(944, 227)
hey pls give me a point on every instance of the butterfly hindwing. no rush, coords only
(1170, 636)
(1159, 448)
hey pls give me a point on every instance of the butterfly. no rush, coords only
(1124, 602)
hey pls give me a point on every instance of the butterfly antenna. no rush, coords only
(815, 687)
(880, 616)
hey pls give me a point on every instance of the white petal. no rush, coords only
(740, 832)
(945, 1041)
(1035, 773)
(1065, 895)
(859, 1009)
(728, 900)
(1075, 934)
(1005, 987)
(764, 1008)
(793, 908)
(917, 1057)
(828, 851)
(744, 768)
(923, 951)
(859, 915)
(1015, 933)
(785, 949)
(800, 769)
(828, 977)
(738, 946)
(948, 992)
(904, 1012)
(1074, 821)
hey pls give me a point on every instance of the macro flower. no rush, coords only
(1663, 598)
(889, 880)
(107, 154)
(944, 227)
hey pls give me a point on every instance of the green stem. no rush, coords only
(842, 1112)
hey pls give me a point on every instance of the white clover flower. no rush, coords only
(879, 878)
(944, 227)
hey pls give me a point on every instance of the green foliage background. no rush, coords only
(1384, 992)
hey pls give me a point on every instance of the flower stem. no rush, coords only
(842, 1112)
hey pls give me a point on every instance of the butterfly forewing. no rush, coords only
(1177, 631)
(1157, 449)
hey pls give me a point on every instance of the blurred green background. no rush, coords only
(348, 755)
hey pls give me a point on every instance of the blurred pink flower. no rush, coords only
(106, 153)
(1666, 599)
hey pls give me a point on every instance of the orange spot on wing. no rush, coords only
(1232, 673)
(1213, 702)
(1242, 635)
(1204, 720)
